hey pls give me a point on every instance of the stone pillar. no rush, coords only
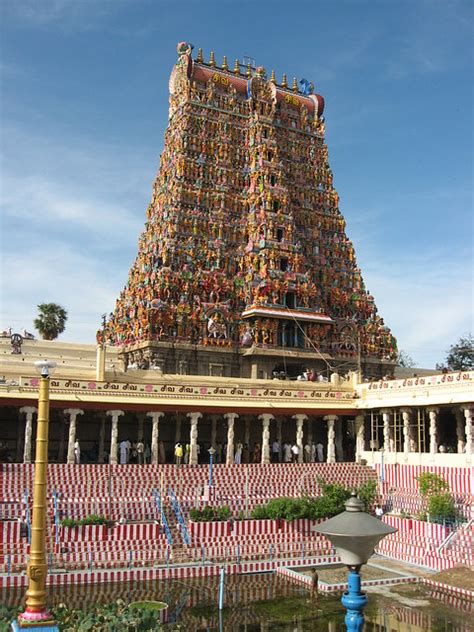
(100, 455)
(360, 437)
(387, 444)
(155, 420)
(20, 437)
(433, 413)
(299, 435)
(406, 416)
(338, 440)
(331, 451)
(265, 418)
(115, 414)
(309, 426)
(73, 413)
(177, 433)
(214, 430)
(469, 416)
(460, 428)
(280, 437)
(231, 417)
(29, 412)
(193, 437)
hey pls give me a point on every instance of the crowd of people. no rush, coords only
(244, 453)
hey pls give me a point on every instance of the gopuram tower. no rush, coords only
(244, 268)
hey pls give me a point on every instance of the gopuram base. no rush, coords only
(221, 357)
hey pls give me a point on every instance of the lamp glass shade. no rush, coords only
(45, 367)
(354, 533)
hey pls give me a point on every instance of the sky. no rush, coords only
(84, 106)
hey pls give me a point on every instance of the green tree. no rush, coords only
(51, 320)
(431, 484)
(460, 355)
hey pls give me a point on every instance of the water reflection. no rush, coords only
(259, 603)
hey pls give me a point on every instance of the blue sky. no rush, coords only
(84, 102)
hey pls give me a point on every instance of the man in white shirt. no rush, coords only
(295, 452)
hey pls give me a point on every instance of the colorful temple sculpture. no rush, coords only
(244, 267)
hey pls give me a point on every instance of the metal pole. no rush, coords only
(36, 612)
(221, 589)
(210, 469)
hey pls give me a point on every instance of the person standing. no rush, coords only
(307, 453)
(123, 452)
(178, 453)
(287, 453)
(140, 448)
(295, 452)
(320, 451)
(187, 453)
(238, 454)
(313, 452)
(275, 452)
(257, 453)
(147, 453)
(314, 584)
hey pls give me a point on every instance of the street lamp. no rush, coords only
(354, 534)
(211, 451)
(36, 614)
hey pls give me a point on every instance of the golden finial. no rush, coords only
(237, 67)
(224, 63)
(272, 78)
(200, 57)
(249, 70)
(294, 87)
(284, 83)
(212, 60)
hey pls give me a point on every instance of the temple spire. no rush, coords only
(200, 57)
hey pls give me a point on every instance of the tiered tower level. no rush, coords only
(244, 267)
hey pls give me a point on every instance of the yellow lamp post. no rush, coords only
(36, 613)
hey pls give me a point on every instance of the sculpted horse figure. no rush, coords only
(215, 328)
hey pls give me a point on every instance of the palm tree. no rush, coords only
(51, 320)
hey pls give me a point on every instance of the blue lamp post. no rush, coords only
(211, 451)
(354, 534)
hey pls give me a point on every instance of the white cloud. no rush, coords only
(39, 201)
(426, 300)
(54, 272)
